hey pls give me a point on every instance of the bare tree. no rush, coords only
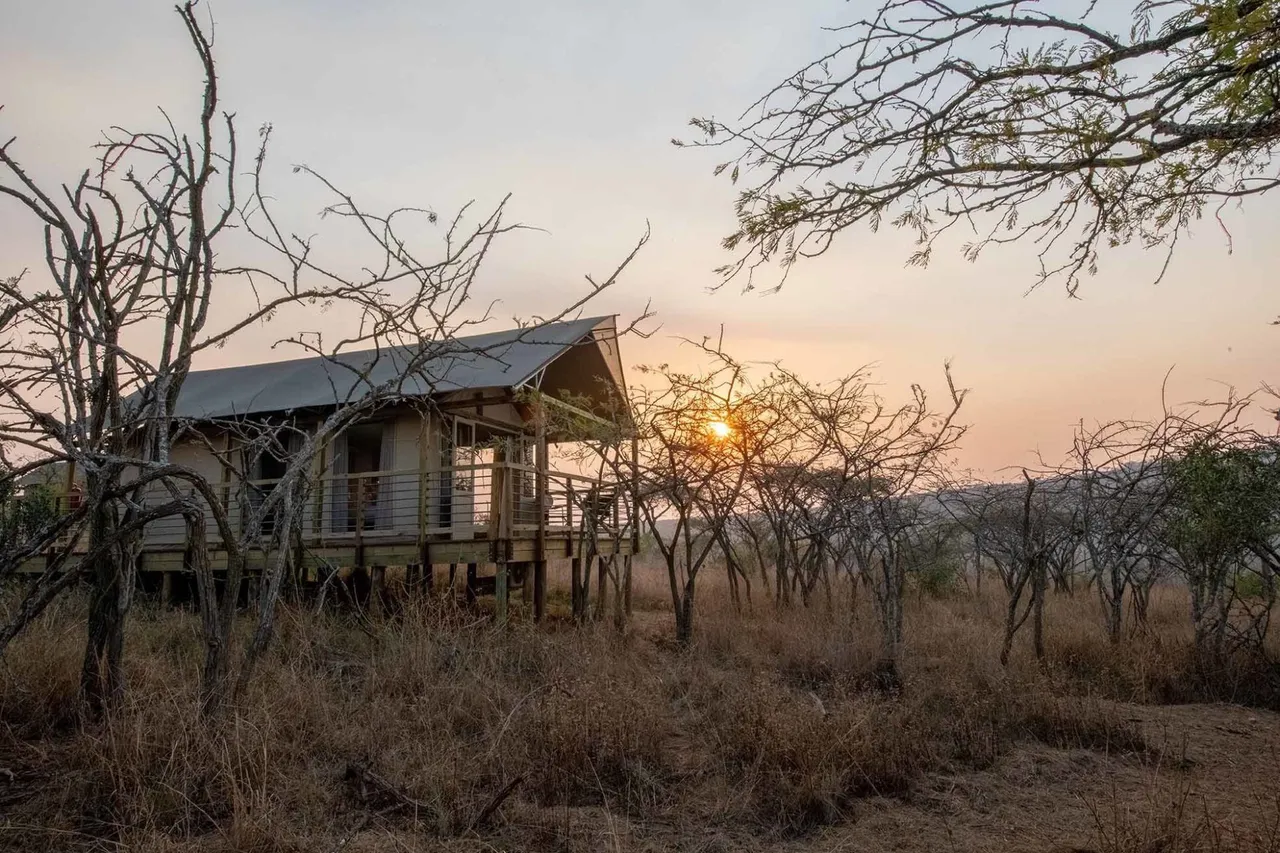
(877, 463)
(1013, 121)
(1023, 530)
(692, 463)
(1117, 476)
(137, 284)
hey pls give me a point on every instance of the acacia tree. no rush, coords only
(1023, 531)
(138, 284)
(690, 477)
(1223, 510)
(1068, 126)
(1118, 483)
(877, 462)
(779, 521)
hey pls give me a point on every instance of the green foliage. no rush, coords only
(1114, 138)
(1224, 499)
(1249, 586)
(22, 514)
(937, 578)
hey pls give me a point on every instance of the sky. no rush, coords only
(570, 106)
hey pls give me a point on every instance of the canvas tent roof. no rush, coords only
(504, 359)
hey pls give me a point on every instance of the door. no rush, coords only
(455, 498)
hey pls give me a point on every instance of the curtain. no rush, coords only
(338, 520)
(386, 463)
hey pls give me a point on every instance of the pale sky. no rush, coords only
(570, 105)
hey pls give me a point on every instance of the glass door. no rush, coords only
(455, 499)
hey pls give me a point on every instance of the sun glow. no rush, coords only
(720, 429)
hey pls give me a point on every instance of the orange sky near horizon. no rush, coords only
(570, 105)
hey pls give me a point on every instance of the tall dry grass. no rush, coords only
(431, 727)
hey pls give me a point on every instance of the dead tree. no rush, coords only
(876, 461)
(1118, 484)
(138, 284)
(690, 475)
(1022, 529)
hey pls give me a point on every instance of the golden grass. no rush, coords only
(768, 727)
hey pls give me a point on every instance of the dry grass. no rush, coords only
(766, 730)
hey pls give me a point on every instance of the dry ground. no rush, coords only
(402, 733)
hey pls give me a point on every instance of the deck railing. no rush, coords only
(494, 501)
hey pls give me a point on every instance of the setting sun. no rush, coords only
(720, 429)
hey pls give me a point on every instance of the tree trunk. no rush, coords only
(602, 586)
(1039, 583)
(1010, 628)
(269, 597)
(213, 675)
(575, 588)
(112, 576)
(620, 586)
(890, 602)
(684, 616)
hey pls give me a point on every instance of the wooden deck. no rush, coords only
(500, 514)
(316, 560)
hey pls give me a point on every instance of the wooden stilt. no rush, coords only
(471, 583)
(166, 589)
(539, 590)
(500, 593)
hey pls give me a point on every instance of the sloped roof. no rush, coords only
(494, 359)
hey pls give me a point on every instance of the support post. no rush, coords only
(471, 583)
(166, 589)
(500, 593)
(633, 511)
(540, 552)
(321, 464)
(505, 520)
(359, 481)
(539, 590)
